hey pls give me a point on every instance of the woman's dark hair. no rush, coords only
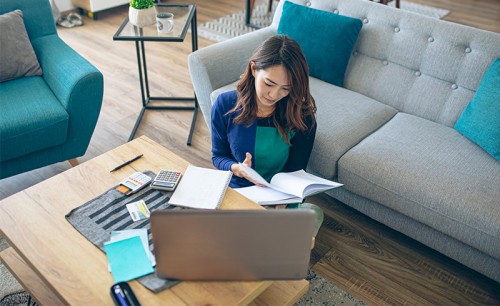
(298, 106)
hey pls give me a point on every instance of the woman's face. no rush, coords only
(271, 85)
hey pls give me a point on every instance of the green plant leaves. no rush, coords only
(141, 4)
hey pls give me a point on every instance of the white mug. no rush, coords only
(165, 22)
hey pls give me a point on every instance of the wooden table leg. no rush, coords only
(28, 278)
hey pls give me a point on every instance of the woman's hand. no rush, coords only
(238, 171)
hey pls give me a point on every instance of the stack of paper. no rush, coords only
(128, 254)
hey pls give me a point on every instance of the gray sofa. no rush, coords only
(388, 134)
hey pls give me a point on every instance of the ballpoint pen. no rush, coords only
(126, 163)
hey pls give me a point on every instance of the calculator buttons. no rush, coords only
(166, 180)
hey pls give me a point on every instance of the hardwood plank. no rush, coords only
(282, 293)
(482, 14)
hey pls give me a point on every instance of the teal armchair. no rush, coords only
(49, 118)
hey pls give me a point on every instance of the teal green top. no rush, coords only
(271, 152)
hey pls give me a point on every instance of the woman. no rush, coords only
(268, 123)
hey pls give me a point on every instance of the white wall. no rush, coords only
(64, 5)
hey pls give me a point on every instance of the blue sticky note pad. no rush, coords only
(128, 259)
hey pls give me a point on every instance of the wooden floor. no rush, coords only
(365, 258)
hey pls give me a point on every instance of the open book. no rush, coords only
(285, 188)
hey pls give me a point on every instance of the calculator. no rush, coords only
(166, 180)
(133, 183)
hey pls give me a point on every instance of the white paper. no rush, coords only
(284, 186)
(201, 188)
(301, 183)
(267, 196)
(254, 175)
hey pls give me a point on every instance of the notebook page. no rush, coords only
(201, 188)
(301, 183)
(267, 196)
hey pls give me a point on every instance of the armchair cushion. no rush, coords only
(30, 120)
(327, 39)
(17, 56)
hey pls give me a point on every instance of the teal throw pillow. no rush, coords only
(327, 39)
(480, 121)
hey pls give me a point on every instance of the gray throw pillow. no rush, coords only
(17, 57)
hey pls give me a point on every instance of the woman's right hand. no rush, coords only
(238, 171)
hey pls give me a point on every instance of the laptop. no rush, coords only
(232, 245)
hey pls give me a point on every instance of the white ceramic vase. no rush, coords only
(142, 18)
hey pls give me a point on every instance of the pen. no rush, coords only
(120, 296)
(126, 163)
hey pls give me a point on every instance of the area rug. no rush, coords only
(321, 291)
(234, 24)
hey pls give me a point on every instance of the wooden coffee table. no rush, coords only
(57, 265)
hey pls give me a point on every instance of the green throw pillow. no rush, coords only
(480, 121)
(327, 39)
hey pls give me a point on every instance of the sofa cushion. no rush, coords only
(327, 39)
(430, 173)
(480, 121)
(344, 119)
(31, 119)
(16, 53)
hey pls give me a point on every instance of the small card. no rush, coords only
(138, 210)
(127, 259)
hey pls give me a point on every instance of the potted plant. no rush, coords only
(142, 13)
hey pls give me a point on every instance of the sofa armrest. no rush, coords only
(221, 64)
(76, 83)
